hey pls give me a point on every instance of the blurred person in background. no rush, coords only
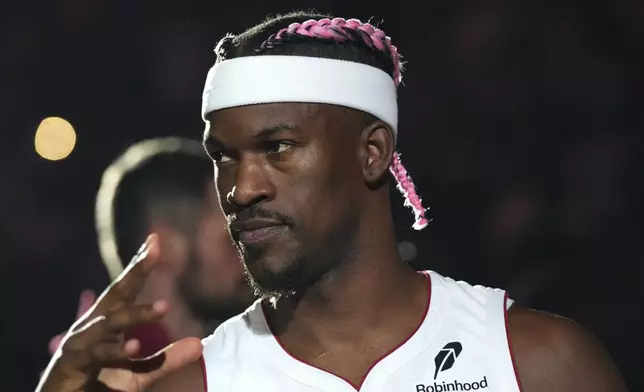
(166, 186)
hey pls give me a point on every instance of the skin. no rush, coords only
(215, 279)
(556, 354)
(95, 357)
(200, 281)
(323, 171)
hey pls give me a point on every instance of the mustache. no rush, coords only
(255, 211)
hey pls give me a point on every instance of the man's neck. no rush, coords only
(356, 299)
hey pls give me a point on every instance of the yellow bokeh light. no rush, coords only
(55, 139)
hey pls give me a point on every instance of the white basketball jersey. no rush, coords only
(461, 345)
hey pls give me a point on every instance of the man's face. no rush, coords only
(295, 177)
(213, 281)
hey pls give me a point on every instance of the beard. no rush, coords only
(276, 284)
(306, 264)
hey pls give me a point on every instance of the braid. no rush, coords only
(408, 190)
(224, 47)
(338, 30)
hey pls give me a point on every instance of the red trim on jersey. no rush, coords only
(357, 387)
(204, 375)
(507, 334)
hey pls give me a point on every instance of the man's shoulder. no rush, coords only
(557, 354)
(540, 333)
(542, 327)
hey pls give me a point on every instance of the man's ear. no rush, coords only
(377, 149)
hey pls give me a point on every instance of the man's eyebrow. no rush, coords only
(268, 132)
(264, 133)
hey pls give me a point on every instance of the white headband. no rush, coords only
(272, 79)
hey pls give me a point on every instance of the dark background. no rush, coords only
(520, 122)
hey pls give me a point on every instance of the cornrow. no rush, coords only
(339, 30)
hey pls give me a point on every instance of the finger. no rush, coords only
(127, 286)
(113, 354)
(107, 328)
(168, 360)
(125, 318)
(85, 302)
(76, 347)
(55, 342)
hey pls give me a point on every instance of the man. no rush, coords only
(165, 186)
(302, 125)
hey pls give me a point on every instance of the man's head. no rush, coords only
(166, 186)
(302, 122)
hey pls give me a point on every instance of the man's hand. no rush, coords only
(85, 302)
(94, 355)
(87, 299)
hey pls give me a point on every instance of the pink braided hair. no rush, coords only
(341, 30)
(407, 188)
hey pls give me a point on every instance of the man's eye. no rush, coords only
(277, 147)
(219, 157)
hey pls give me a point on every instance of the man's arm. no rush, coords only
(554, 354)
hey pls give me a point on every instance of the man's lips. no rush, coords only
(257, 230)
